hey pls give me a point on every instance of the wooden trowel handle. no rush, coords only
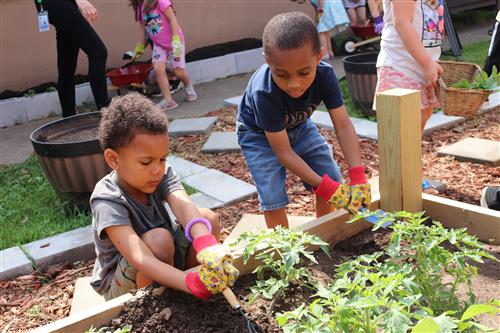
(231, 298)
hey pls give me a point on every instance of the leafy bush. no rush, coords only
(482, 81)
(402, 288)
(281, 251)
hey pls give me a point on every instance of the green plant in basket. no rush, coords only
(281, 251)
(482, 81)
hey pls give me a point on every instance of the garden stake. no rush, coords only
(374, 218)
(231, 298)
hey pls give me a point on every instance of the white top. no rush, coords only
(428, 21)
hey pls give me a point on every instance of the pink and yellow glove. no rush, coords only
(360, 189)
(217, 271)
(176, 46)
(334, 193)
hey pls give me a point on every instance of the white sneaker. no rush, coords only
(165, 106)
(191, 95)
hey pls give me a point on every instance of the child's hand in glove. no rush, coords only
(137, 52)
(176, 46)
(378, 22)
(217, 271)
(360, 189)
(335, 193)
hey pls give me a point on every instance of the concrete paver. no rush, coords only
(221, 142)
(13, 262)
(205, 201)
(70, 246)
(233, 101)
(474, 150)
(221, 187)
(184, 168)
(191, 126)
(439, 120)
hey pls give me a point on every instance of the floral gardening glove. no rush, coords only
(136, 53)
(378, 22)
(360, 189)
(217, 271)
(176, 46)
(335, 193)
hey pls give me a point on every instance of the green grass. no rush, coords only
(475, 52)
(29, 207)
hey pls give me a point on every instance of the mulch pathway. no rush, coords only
(42, 297)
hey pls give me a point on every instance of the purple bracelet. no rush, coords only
(193, 222)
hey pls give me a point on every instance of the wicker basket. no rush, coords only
(458, 101)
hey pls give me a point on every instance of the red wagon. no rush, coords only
(365, 36)
(129, 77)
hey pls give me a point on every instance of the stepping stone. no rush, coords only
(439, 120)
(221, 142)
(474, 150)
(84, 296)
(233, 101)
(205, 201)
(256, 223)
(365, 128)
(493, 103)
(13, 262)
(69, 246)
(191, 126)
(184, 168)
(221, 186)
(322, 119)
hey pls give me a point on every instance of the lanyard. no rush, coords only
(40, 2)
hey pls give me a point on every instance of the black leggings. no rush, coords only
(74, 33)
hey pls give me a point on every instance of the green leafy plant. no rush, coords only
(482, 81)
(402, 288)
(281, 251)
(30, 93)
(436, 252)
(51, 89)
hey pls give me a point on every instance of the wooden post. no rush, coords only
(400, 150)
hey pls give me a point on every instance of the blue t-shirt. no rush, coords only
(266, 107)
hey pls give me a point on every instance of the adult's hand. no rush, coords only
(88, 10)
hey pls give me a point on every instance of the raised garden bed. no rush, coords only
(474, 177)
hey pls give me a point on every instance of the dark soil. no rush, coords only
(191, 315)
(76, 135)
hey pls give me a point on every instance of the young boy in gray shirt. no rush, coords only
(136, 241)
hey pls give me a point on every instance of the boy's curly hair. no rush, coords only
(127, 116)
(290, 31)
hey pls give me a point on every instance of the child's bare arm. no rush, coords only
(346, 135)
(185, 210)
(403, 17)
(169, 13)
(137, 253)
(289, 159)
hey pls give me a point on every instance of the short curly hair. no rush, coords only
(290, 31)
(127, 116)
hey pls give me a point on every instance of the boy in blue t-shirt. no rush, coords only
(275, 132)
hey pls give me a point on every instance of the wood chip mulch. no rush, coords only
(37, 299)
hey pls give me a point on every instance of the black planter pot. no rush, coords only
(361, 76)
(72, 167)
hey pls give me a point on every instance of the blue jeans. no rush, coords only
(266, 170)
